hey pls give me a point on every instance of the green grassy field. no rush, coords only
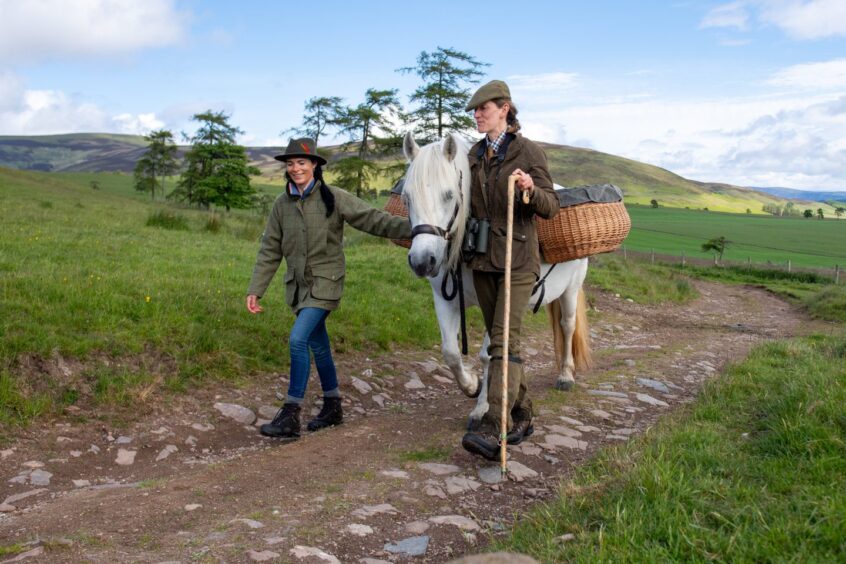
(82, 276)
(753, 471)
(805, 242)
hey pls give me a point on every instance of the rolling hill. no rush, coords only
(813, 195)
(570, 166)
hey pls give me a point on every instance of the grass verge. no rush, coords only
(754, 471)
(640, 282)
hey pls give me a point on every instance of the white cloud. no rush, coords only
(44, 112)
(734, 15)
(33, 30)
(825, 75)
(795, 140)
(137, 124)
(801, 19)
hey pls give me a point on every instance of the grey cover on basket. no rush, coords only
(598, 193)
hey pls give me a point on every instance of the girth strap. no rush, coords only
(541, 284)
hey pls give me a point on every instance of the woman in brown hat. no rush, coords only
(501, 153)
(306, 227)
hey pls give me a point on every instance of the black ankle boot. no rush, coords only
(484, 442)
(330, 414)
(286, 424)
(522, 427)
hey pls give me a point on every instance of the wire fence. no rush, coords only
(835, 274)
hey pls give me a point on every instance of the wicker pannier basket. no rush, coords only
(395, 206)
(588, 223)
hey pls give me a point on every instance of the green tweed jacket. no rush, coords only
(312, 245)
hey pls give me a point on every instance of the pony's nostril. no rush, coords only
(431, 261)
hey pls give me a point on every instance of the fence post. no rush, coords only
(788, 266)
(652, 258)
(836, 274)
(625, 254)
(682, 259)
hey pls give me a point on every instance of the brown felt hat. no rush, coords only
(304, 147)
(490, 91)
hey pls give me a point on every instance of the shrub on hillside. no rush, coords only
(167, 219)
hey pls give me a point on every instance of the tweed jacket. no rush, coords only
(312, 245)
(489, 199)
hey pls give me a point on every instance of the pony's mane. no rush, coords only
(429, 177)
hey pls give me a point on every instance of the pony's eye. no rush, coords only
(448, 196)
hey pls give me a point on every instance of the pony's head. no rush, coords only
(437, 195)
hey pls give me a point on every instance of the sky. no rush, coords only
(749, 92)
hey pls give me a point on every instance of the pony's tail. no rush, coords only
(581, 335)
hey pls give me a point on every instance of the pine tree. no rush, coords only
(217, 171)
(446, 74)
(370, 129)
(157, 162)
(321, 113)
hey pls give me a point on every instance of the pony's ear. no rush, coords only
(450, 147)
(410, 147)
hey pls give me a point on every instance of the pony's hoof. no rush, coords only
(473, 424)
(564, 385)
(475, 392)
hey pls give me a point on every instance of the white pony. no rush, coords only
(437, 195)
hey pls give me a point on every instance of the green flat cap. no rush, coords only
(490, 91)
(304, 147)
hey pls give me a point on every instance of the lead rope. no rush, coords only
(457, 288)
(456, 275)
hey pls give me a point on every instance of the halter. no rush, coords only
(436, 230)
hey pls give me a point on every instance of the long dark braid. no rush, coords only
(325, 193)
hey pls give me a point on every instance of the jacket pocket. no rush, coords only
(519, 249)
(328, 284)
(290, 288)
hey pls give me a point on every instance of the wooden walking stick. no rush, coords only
(509, 234)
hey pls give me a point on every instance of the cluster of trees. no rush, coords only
(790, 209)
(216, 172)
(373, 126)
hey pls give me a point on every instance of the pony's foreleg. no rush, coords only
(482, 406)
(448, 319)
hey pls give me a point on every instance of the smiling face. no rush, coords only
(301, 171)
(489, 118)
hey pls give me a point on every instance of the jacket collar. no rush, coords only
(477, 152)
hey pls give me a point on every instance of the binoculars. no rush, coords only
(476, 236)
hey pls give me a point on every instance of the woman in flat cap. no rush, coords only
(501, 153)
(306, 227)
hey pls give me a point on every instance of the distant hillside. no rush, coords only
(641, 182)
(813, 195)
(570, 166)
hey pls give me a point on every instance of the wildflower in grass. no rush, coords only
(147, 299)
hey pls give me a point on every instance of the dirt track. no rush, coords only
(224, 493)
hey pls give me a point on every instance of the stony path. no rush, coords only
(193, 480)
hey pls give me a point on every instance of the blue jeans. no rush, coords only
(309, 332)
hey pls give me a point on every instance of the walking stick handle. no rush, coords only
(509, 235)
